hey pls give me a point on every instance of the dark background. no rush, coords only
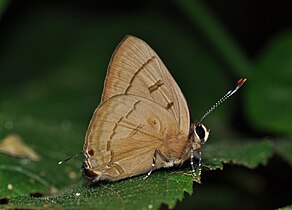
(70, 43)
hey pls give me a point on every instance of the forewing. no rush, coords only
(137, 70)
(123, 135)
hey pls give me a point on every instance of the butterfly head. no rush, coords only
(201, 133)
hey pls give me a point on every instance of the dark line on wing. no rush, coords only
(135, 130)
(115, 127)
(155, 86)
(138, 71)
(134, 108)
(169, 105)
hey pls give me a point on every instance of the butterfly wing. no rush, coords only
(135, 69)
(123, 135)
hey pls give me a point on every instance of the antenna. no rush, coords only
(70, 157)
(240, 82)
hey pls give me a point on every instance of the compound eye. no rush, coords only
(200, 131)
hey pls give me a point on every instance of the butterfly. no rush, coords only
(143, 121)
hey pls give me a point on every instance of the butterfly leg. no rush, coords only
(198, 166)
(157, 152)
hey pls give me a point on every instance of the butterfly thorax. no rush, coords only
(176, 149)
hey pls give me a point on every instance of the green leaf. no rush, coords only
(249, 154)
(135, 193)
(16, 180)
(49, 141)
(286, 208)
(269, 92)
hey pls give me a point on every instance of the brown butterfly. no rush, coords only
(143, 121)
